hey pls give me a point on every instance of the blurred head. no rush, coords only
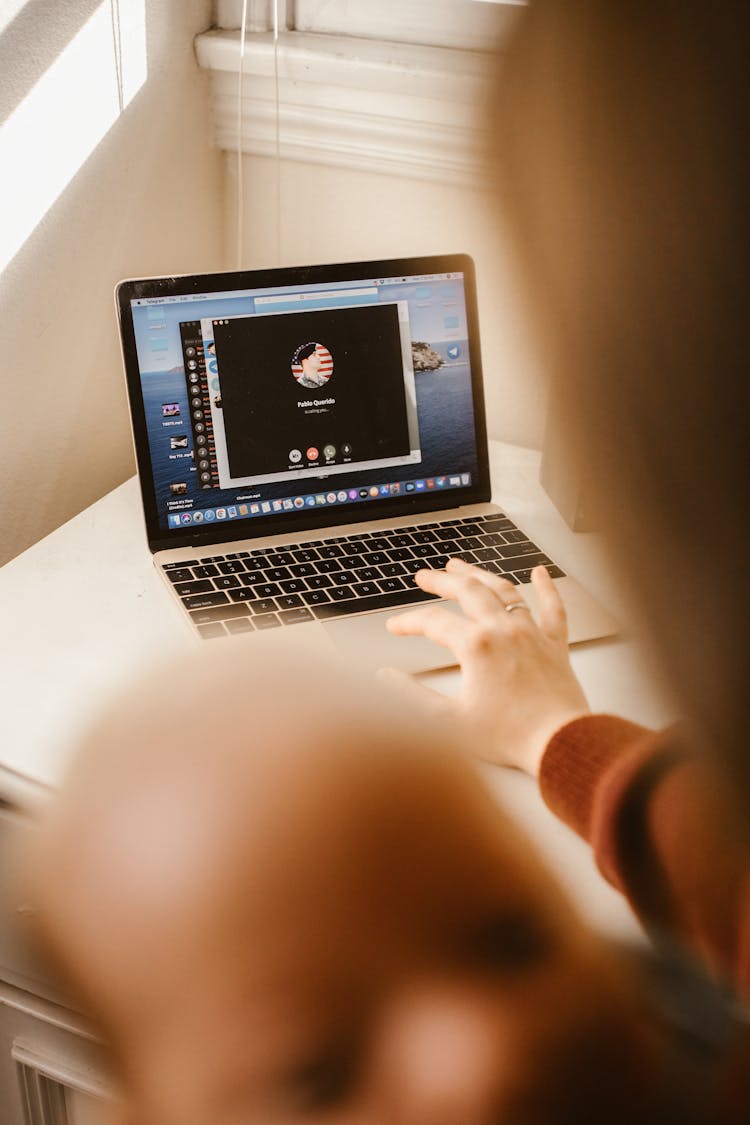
(619, 134)
(305, 907)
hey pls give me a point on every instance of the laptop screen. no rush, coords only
(266, 401)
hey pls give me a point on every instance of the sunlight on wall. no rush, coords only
(53, 131)
(9, 9)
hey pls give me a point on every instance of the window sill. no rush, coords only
(395, 108)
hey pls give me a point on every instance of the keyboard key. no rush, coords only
(302, 570)
(202, 601)
(315, 597)
(253, 578)
(445, 533)
(320, 581)
(255, 564)
(354, 548)
(556, 571)
(515, 536)
(241, 625)
(400, 540)
(485, 554)
(514, 549)
(391, 569)
(226, 582)
(491, 540)
(234, 567)
(208, 571)
(378, 543)
(304, 555)
(498, 523)
(365, 589)
(266, 621)
(213, 559)
(289, 601)
(340, 593)
(368, 574)
(400, 553)
(496, 567)
(180, 574)
(199, 587)
(330, 551)
(376, 558)
(413, 565)
(267, 589)
(424, 550)
(389, 584)
(355, 561)
(364, 605)
(524, 562)
(424, 537)
(218, 613)
(328, 566)
(295, 616)
(467, 556)
(244, 594)
(280, 558)
(472, 528)
(179, 565)
(343, 578)
(209, 632)
(276, 573)
(293, 585)
(263, 606)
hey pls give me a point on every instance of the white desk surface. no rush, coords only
(84, 609)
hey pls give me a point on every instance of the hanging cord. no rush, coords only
(277, 164)
(114, 8)
(240, 185)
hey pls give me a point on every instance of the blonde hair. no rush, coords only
(618, 136)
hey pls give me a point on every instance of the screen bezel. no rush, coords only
(260, 527)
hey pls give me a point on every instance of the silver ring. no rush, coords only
(516, 605)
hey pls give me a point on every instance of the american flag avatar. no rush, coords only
(312, 364)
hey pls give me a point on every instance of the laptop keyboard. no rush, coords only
(271, 587)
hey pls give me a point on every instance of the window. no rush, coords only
(392, 87)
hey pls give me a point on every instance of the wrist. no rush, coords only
(532, 750)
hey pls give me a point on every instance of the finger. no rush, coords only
(437, 624)
(553, 620)
(476, 599)
(412, 689)
(506, 590)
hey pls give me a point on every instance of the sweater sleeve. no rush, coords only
(659, 831)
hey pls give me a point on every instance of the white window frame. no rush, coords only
(392, 97)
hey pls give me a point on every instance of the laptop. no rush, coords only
(307, 439)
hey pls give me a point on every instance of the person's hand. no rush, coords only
(517, 686)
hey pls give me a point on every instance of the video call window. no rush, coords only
(301, 391)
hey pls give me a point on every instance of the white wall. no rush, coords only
(147, 201)
(329, 213)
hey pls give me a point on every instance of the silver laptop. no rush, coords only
(307, 439)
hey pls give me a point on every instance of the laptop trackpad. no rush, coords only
(365, 640)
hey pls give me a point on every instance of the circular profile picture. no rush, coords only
(312, 365)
